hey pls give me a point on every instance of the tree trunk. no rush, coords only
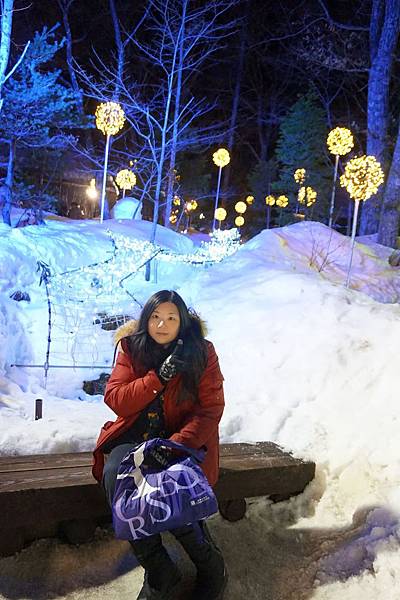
(9, 185)
(178, 91)
(6, 26)
(389, 222)
(235, 107)
(383, 45)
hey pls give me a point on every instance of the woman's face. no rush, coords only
(164, 323)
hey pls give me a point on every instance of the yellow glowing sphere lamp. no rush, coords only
(269, 200)
(125, 179)
(110, 118)
(340, 141)
(221, 157)
(362, 177)
(176, 201)
(239, 221)
(220, 214)
(173, 219)
(249, 199)
(241, 207)
(282, 201)
(299, 176)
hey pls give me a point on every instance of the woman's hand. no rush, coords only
(173, 364)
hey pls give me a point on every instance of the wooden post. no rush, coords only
(38, 408)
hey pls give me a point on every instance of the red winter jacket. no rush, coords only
(194, 425)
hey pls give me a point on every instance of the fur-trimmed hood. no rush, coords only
(130, 327)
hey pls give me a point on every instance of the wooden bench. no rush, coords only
(50, 494)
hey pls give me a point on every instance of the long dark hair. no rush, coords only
(148, 354)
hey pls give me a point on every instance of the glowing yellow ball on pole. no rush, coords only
(269, 200)
(362, 177)
(125, 179)
(241, 207)
(340, 141)
(221, 158)
(282, 201)
(110, 119)
(239, 221)
(299, 176)
(220, 215)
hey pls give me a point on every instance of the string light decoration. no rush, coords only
(300, 176)
(125, 179)
(340, 141)
(110, 119)
(81, 296)
(282, 201)
(239, 221)
(176, 201)
(307, 195)
(221, 158)
(250, 200)
(191, 205)
(362, 178)
(241, 207)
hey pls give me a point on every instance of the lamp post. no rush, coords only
(361, 178)
(269, 201)
(221, 158)
(340, 142)
(110, 119)
(282, 202)
(219, 215)
(125, 180)
(299, 176)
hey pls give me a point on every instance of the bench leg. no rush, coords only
(232, 510)
(78, 531)
(12, 541)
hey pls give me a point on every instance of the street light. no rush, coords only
(91, 190)
(110, 119)
(269, 201)
(221, 158)
(362, 177)
(340, 142)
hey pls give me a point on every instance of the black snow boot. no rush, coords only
(166, 592)
(161, 574)
(211, 573)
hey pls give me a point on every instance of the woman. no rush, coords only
(166, 383)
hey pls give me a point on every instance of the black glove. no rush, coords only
(173, 364)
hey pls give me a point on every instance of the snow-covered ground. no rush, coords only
(307, 363)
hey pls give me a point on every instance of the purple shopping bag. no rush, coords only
(148, 501)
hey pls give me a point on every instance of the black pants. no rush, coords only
(150, 552)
